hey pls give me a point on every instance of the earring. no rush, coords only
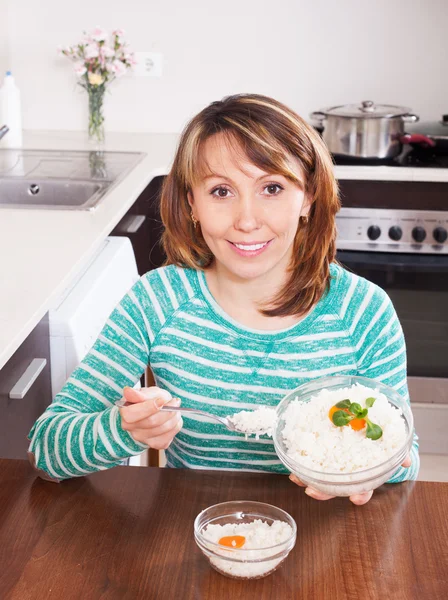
(304, 219)
(193, 219)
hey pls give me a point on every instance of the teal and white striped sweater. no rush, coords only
(170, 320)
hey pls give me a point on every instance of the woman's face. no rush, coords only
(248, 217)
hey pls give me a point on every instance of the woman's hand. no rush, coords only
(143, 419)
(357, 499)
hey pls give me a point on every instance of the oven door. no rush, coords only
(418, 288)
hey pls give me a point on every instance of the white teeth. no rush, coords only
(251, 247)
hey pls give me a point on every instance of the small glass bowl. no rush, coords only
(343, 484)
(239, 563)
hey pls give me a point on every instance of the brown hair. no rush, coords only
(269, 133)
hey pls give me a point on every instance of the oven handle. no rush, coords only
(394, 261)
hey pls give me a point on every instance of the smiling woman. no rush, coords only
(244, 214)
(250, 170)
(249, 306)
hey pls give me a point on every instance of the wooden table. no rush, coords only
(128, 533)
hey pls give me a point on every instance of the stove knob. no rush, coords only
(419, 234)
(440, 234)
(373, 232)
(395, 233)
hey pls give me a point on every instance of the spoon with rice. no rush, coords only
(250, 422)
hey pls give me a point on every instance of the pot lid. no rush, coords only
(367, 109)
(432, 128)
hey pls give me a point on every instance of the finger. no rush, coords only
(296, 480)
(151, 431)
(154, 421)
(153, 392)
(360, 499)
(407, 461)
(160, 442)
(149, 408)
(312, 493)
(134, 396)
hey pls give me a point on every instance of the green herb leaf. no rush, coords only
(374, 432)
(341, 418)
(355, 408)
(343, 404)
(370, 402)
(362, 414)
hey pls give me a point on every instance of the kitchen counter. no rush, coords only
(127, 533)
(42, 250)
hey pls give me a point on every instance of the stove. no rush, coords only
(393, 230)
(396, 206)
(410, 157)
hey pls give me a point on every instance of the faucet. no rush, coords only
(3, 131)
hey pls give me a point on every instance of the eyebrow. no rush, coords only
(218, 176)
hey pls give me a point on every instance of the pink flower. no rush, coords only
(119, 33)
(65, 50)
(119, 68)
(91, 51)
(129, 58)
(107, 51)
(79, 68)
(98, 34)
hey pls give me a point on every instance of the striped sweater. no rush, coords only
(170, 320)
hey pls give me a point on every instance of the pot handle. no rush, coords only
(417, 138)
(410, 118)
(318, 115)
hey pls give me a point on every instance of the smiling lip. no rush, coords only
(252, 249)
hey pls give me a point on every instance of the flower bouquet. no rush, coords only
(97, 61)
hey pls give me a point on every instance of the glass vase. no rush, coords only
(96, 117)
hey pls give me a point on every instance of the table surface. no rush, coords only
(128, 533)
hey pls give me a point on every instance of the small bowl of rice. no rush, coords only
(244, 539)
(342, 461)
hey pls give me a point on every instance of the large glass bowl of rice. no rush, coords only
(340, 461)
(245, 539)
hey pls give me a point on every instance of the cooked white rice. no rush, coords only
(314, 441)
(258, 534)
(255, 422)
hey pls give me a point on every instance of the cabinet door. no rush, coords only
(26, 374)
(143, 226)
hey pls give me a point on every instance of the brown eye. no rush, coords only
(220, 192)
(273, 189)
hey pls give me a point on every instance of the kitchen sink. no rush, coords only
(50, 193)
(60, 179)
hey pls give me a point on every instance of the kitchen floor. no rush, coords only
(433, 467)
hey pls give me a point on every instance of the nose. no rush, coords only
(247, 214)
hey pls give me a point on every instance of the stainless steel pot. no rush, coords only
(367, 130)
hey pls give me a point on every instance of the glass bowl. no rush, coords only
(240, 563)
(343, 484)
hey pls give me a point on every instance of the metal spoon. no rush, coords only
(223, 420)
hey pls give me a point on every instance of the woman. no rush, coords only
(250, 305)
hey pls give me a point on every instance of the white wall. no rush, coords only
(4, 38)
(308, 54)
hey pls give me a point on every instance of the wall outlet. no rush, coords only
(149, 64)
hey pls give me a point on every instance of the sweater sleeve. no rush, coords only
(80, 432)
(380, 349)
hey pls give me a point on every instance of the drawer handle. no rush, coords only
(131, 223)
(28, 378)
